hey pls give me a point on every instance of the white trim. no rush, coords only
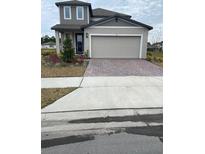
(57, 42)
(77, 7)
(141, 43)
(65, 13)
(114, 27)
(90, 45)
(116, 34)
(141, 40)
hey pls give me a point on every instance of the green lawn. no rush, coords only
(50, 95)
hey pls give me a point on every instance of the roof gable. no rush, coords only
(133, 22)
(117, 22)
(73, 2)
(99, 12)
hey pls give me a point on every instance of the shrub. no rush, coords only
(53, 58)
(149, 58)
(86, 53)
(149, 54)
(160, 50)
(155, 59)
(81, 59)
(160, 60)
(68, 51)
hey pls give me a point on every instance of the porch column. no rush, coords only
(62, 40)
(73, 41)
(57, 42)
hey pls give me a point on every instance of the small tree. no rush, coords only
(52, 39)
(68, 51)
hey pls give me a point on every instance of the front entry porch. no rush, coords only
(77, 38)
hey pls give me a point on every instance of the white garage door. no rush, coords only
(115, 46)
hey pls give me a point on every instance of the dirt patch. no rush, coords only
(50, 95)
(62, 71)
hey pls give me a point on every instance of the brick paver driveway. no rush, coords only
(122, 67)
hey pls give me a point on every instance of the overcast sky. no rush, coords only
(147, 11)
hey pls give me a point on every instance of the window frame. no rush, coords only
(82, 13)
(64, 8)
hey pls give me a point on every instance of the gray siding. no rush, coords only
(142, 31)
(74, 20)
(115, 47)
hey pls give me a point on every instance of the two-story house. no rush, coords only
(102, 33)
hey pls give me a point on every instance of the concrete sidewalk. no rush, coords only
(127, 81)
(111, 93)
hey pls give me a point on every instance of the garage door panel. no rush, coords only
(115, 46)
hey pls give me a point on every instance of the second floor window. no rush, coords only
(80, 13)
(67, 12)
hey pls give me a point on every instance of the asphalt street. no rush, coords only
(128, 134)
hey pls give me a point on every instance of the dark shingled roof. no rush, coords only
(116, 16)
(66, 27)
(99, 12)
(74, 3)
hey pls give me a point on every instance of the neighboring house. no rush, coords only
(149, 46)
(102, 33)
(49, 45)
(158, 46)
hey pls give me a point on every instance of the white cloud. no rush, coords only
(156, 35)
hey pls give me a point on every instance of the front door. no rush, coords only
(79, 43)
